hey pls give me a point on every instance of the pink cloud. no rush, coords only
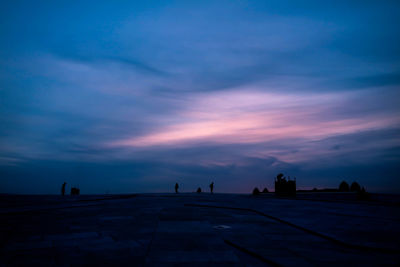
(251, 116)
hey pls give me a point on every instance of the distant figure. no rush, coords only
(198, 190)
(212, 187)
(176, 188)
(63, 189)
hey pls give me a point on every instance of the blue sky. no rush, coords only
(135, 96)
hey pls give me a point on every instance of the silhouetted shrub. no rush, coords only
(75, 191)
(344, 187)
(355, 187)
(256, 191)
(198, 190)
(265, 190)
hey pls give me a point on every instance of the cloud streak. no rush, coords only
(249, 116)
(136, 95)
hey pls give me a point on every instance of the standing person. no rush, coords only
(212, 187)
(63, 189)
(176, 188)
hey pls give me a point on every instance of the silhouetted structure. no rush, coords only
(319, 190)
(212, 187)
(265, 190)
(75, 191)
(198, 190)
(256, 191)
(363, 195)
(176, 188)
(63, 189)
(285, 187)
(344, 187)
(355, 187)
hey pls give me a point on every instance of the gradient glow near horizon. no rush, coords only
(133, 97)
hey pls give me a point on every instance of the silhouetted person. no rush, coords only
(212, 187)
(198, 190)
(176, 188)
(63, 189)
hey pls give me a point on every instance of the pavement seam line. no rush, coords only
(329, 238)
(251, 253)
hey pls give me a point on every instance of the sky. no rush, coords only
(133, 96)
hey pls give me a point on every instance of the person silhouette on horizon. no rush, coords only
(176, 188)
(63, 189)
(212, 187)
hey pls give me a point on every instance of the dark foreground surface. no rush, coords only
(197, 229)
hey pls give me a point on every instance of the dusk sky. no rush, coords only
(133, 96)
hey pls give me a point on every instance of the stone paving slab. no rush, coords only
(162, 229)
